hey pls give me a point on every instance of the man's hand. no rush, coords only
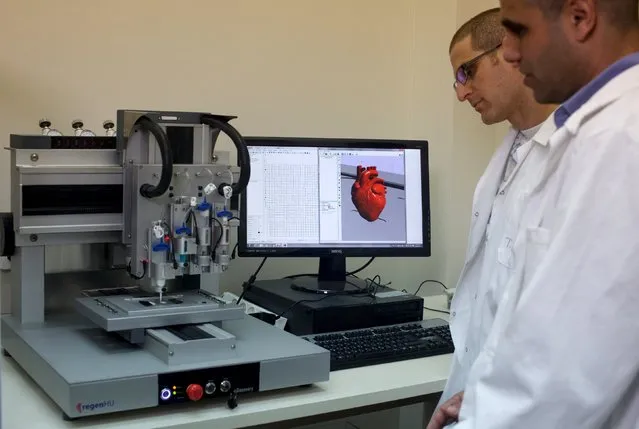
(447, 413)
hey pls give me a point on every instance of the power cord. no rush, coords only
(419, 288)
(436, 310)
(430, 281)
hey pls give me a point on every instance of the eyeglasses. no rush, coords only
(466, 70)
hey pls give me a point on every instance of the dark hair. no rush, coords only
(621, 13)
(485, 31)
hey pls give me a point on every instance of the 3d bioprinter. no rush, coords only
(141, 324)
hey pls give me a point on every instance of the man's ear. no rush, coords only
(580, 17)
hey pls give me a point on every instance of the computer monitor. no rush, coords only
(333, 198)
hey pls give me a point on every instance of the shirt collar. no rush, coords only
(582, 96)
(544, 131)
(530, 133)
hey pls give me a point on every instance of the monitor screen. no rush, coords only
(332, 198)
(315, 197)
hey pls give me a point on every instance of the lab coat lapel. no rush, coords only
(562, 138)
(610, 93)
(487, 188)
(547, 185)
(545, 189)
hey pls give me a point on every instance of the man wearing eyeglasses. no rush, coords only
(495, 89)
(564, 348)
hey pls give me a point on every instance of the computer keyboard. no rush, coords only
(384, 344)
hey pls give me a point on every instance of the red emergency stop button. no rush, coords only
(194, 392)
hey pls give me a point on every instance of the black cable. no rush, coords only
(377, 284)
(439, 283)
(429, 281)
(248, 284)
(152, 191)
(234, 250)
(220, 236)
(439, 311)
(233, 253)
(191, 216)
(352, 273)
(370, 261)
(243, 158)
(135, 276)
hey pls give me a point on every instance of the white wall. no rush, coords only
(353, 68)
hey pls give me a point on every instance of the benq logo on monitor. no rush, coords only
(92, 406)
(338, 251)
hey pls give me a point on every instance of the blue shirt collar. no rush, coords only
(580, 98)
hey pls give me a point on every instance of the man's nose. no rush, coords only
(511, 49)
(462, 91)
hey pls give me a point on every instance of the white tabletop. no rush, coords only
(24, 405)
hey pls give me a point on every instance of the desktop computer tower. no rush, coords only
(315, 313)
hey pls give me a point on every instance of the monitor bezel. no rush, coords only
(346, 143)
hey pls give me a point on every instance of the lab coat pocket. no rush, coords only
(537, 242)
(505, 253)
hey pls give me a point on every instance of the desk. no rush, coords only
(24, 405)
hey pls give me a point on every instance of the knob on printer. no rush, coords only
(225, 386)
(194, 392)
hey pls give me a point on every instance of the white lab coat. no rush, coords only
(563, 351)
(489, 264)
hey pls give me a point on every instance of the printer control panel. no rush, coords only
(221, 382)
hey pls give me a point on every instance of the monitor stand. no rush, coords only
(331, 279)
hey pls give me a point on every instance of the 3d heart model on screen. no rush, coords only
(368, 193)
(375, 207)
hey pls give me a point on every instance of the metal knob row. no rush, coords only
(78, 128)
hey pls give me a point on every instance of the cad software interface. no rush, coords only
(334, 197)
